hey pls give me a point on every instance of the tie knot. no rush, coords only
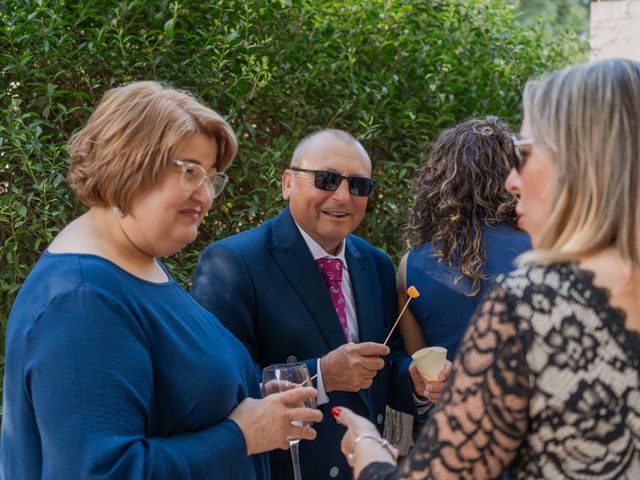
(330, 269)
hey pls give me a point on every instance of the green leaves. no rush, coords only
(392, 72)
(169, 26)
(21, 209)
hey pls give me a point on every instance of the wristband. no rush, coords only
(351, 456)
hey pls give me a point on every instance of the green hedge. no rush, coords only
(392, 72)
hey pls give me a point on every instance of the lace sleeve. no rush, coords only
(483, 415)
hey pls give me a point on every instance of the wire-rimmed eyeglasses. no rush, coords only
(521, 154)
(193, 175)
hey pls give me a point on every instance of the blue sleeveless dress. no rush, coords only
(444, 308)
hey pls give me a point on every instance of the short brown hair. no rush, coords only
(129, 139)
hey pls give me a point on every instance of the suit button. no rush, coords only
(380, 418)
(291, 359)
(334, 472)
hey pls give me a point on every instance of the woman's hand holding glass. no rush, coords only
(270, 422)
(288, 377)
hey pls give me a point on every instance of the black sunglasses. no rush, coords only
(330, 181)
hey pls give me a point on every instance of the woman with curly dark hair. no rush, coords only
(462, 233)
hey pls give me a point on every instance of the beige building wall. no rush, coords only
(615, 29)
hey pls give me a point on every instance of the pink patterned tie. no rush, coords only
(331, 271)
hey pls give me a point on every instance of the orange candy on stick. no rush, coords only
(413, 293)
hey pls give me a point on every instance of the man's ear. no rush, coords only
(286, 184)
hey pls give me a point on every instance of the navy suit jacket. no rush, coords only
(264, 286)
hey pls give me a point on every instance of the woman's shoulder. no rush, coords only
(56, 282)
(531, 274)
(93, 269)
(425, 260)
(503, 235)
(58, 275)
(422, 254)
(81, 285)
(539, 292)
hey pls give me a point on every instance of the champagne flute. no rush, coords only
(280, 378)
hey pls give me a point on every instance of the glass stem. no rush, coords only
(293, 446)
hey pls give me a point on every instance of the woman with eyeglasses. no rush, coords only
(462, 233)
(112, 370)
(546, 382)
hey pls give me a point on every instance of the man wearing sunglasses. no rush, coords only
(302, 288)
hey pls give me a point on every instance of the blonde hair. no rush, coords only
(588, 118)
(129, 139)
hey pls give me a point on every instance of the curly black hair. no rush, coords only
(460, 187)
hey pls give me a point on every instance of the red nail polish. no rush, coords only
(335, 411)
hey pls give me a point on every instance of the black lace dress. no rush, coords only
(546, 384)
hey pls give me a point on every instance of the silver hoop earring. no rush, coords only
(117, 212)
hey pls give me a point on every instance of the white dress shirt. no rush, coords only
(350, 309)
(352, 321)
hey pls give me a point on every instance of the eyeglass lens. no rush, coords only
(518, 146)
(193, 175)
(330, 181)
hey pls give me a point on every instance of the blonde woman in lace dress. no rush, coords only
(546, 383)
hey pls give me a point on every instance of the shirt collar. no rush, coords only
(318, 252)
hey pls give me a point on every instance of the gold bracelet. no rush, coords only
(351, 456)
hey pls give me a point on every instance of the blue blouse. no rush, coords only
(443, 309)
(110, 376)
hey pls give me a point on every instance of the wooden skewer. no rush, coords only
(413, 293)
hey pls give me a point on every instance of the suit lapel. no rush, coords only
(292, 255)
(364, 301)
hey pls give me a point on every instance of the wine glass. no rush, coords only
(280, 378)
